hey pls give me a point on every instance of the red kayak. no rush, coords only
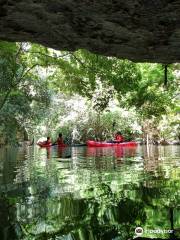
(45, 145)
(106, 144)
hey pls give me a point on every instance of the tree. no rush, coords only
(20, 89)
(150, 98)
(81, 72)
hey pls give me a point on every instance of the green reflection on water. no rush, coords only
(88, 194)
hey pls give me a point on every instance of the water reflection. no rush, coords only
(89, 193)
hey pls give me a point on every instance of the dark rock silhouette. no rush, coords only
(139, 30)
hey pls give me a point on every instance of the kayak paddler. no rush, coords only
(59, 140)
(48, 141)
(118, 137)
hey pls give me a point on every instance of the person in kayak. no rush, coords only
(48, 141)
(118, 138)
(59, 140)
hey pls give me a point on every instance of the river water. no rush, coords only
(85, 193)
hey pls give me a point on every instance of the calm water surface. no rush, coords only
(89, 194)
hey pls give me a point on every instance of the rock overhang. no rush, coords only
(139, 30)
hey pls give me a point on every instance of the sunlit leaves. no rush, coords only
(20, 86)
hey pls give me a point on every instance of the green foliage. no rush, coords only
(82, 71)
(139, 85)
(20, 87)
(77, 119)
(31, 76)
(150, 98)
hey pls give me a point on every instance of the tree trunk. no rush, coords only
(165, 75)
(25, 135)
(147, 139)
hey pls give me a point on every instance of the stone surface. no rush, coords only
(140, 30)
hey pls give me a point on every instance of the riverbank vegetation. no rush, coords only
(85, 96)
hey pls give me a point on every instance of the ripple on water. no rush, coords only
(84, 193)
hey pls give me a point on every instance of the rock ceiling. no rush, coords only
(139, 30)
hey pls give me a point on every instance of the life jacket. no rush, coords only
(119, 138)
(48, 142)
(60, 141)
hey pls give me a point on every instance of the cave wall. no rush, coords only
(140, 30)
